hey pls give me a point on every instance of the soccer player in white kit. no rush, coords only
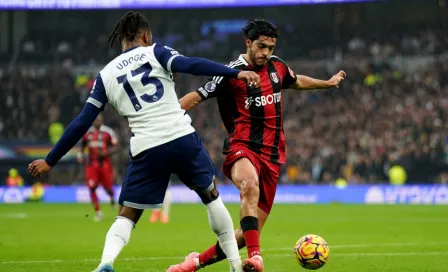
(139, 85)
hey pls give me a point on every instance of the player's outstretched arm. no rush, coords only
(190, 100)
(205, 67)
(172, 61)
(309, 83)
(74, 132)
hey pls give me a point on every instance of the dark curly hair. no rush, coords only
(260, 27)
(128, 27)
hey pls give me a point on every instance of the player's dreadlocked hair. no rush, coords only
(128, 27)
(259, 27)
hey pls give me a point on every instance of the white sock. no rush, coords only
(166, 206)
(222, 224)
(117, 237)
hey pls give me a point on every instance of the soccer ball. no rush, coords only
(311, 252)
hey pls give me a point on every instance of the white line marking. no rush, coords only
(347, 255)
(409, 244)
(14, 215)
(90, 260)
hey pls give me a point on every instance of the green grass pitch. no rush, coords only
(45, 238)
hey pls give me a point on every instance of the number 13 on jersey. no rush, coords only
(145, 80)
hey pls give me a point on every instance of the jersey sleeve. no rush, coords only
(214, 87)
(288, 76)
(165, 56)
(98, 96)
(174, 62)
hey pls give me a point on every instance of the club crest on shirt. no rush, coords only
(274, 77)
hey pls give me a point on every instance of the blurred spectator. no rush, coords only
(14, 179)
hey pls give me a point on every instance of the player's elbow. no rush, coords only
(298, 85)
(88, 115)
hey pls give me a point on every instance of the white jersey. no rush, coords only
(139, 85)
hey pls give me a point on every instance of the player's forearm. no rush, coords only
(201, 67)
(309, 83)
(73, 133)
(190, 100)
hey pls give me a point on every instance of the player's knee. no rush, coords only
(207, 196)
(250, 186)
(130, 213)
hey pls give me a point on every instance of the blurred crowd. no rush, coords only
(381, 116)
(91, 48)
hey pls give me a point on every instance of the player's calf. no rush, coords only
(119, 234)
(245, 177)
(222, 225)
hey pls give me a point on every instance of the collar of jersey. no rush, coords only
(242, 60)
(129, 49)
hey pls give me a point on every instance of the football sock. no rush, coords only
(117, 237)
(166, 206)
(212, 255)
(249, 225)
(94, 200)
(222, 224)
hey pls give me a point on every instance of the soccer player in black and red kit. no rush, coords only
(256, 150)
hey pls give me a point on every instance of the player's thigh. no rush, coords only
(193, 164)
(244, 170)
(107, 177)
(269, 175)
(240, 165)
(92, 175)
(146, 179)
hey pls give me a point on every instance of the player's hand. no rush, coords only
(337, 79)
(252, 79)
(38, 167)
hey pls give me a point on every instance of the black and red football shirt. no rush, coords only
(99, 140)
(253, 116)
